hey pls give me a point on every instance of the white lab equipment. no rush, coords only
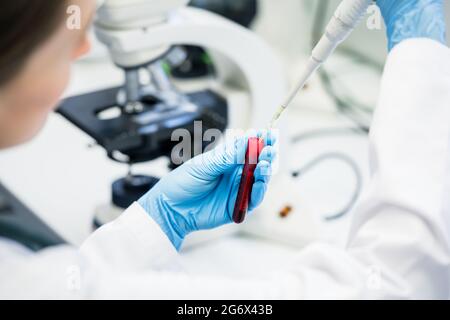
(398, 247)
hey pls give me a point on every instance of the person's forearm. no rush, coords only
(401, 232)
(132, 242)
(167, 218)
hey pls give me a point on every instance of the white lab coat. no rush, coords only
(398, 246)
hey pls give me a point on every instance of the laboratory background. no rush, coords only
(230, 67)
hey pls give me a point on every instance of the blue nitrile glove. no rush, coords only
(201, 193)
(407, 19)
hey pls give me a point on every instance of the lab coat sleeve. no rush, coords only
(132, 258)
(398, 245)
(401, 232)
(128, 258)
(133, 242)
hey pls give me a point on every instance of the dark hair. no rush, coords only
(24, 25)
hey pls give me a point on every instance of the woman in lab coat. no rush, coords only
(398, 245)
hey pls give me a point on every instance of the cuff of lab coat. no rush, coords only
(424, 52)
(147, 231)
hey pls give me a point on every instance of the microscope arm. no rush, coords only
(251, 55)
(138, 15)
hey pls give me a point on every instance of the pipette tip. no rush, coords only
(276, 116)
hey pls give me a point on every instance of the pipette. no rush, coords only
(345, 19)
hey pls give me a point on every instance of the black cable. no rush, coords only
(333, 131)
(343, 106)
(352, 164)
(318, 133)
(351, 109)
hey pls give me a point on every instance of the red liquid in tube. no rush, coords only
(254, 149)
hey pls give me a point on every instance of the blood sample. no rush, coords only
(254, 149)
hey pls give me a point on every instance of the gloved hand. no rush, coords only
(201, 193)
(413, 19)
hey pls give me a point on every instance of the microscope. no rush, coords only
(134, 122)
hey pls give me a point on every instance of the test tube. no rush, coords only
(254, 149)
